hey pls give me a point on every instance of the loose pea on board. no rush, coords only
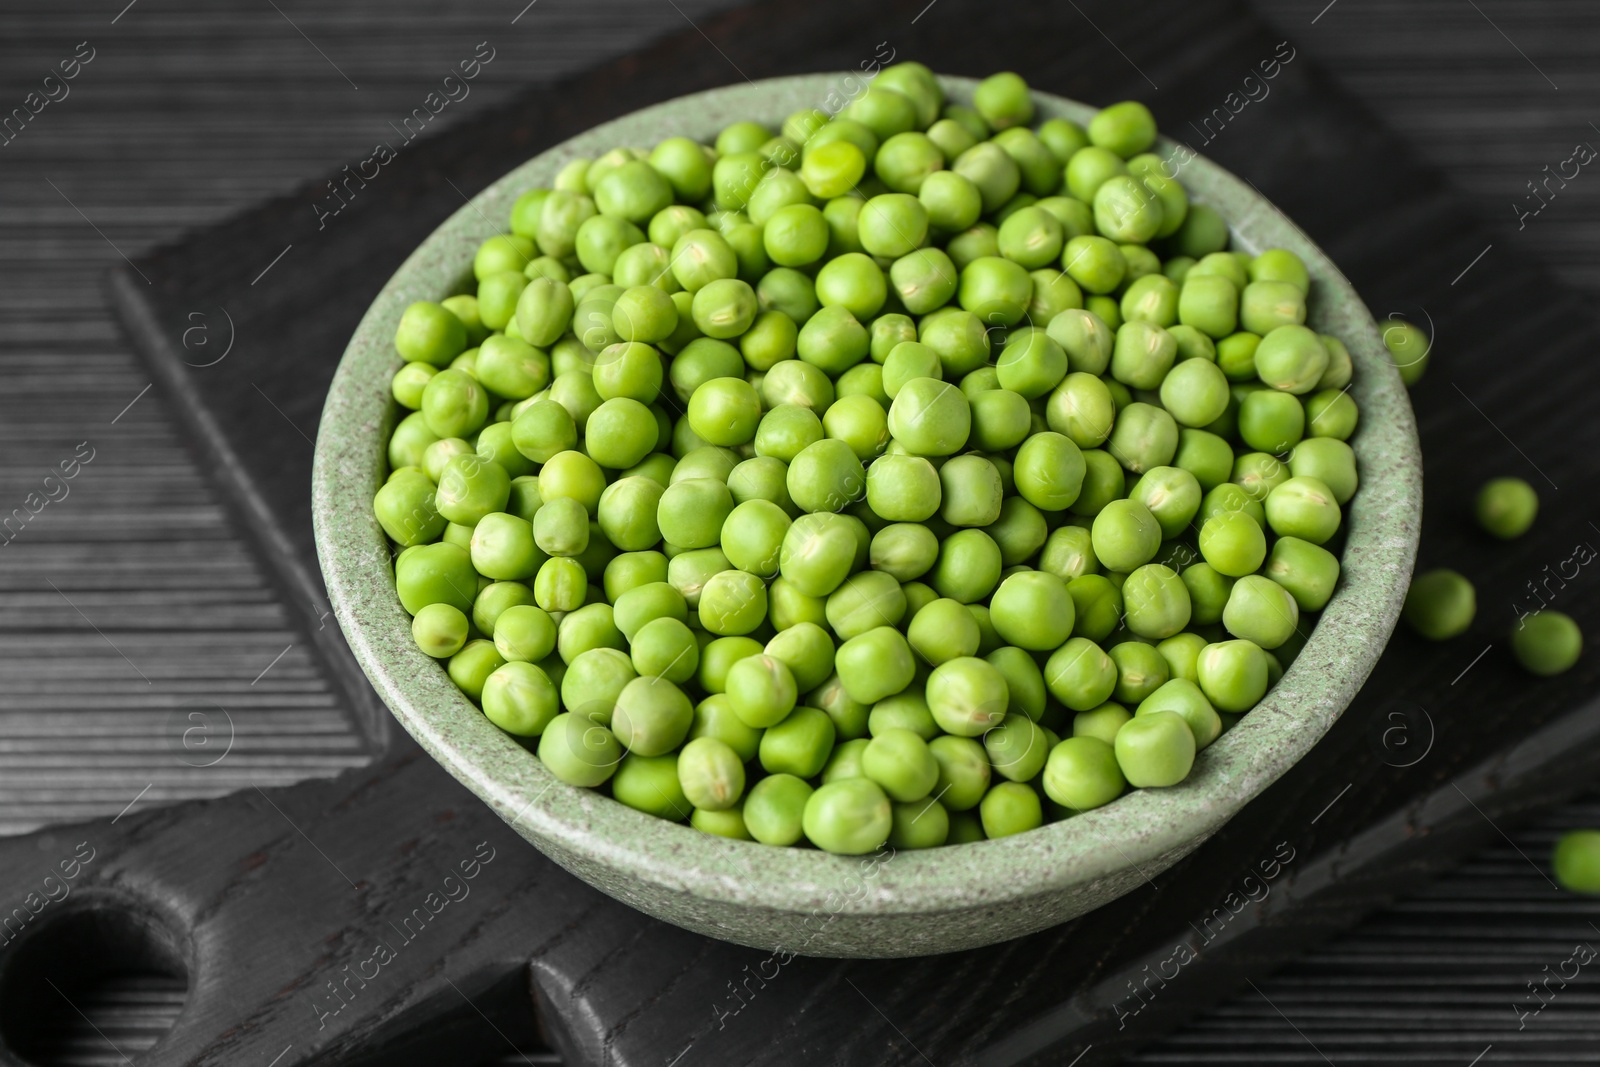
(855, 485)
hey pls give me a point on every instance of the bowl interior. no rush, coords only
(1142, 832)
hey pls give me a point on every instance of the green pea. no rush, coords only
(1010, 808)
(1233, 674)
(1303, 507)
(520, 699)
(1143, 437)
(435, 574)
(470, 668)
(1125, 210)
(1575, 861)
(988, 167)
(1331, 415)
(1089, 168)
(1082, 773)
(560, 585)
(1032, 610)
(969, 566)
(849, 817)
(1410, 348)
(875, 665)
(579, 751)
(1440, 604)
(1547, 643)
(967, 696)
(1101, 723)
(1156, 601)
(854, 282)
(1309, 572)
(959, 337)
(794, 381)
(1505, 507)
(1264, 306)
(440, 630)
(586, 628)
(1156, 749)
(775, 808)
(953, 202)
(1080, 674)
(996, 290)
(1206, 456)
(732, 603)
(1291, 358)
(405, 507)
(1208, 593)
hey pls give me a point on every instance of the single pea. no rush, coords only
(1068, 553)
(1143, 437)
(1050, 471)
(1265, 306)
(1082, 773)
(1258, 474)
(561, 585)
(1025, 689)
(995, 173)
(968, 568)
(874, 665)
(1032, 610)
(406, 509)
(970, 491)
(1097, 605)
(963, 771)
(1410, 348)
(930, 417)
(520, 699)
(524, 633)
(440, 630)
(1156, 749)
(832, 169)
(1086, 339)
(849, 817)
(1017, 748)
(585, 628)
(666, 648)
(429, 333)
(1329, 461)
(717, 659)
(853, 282)
(1172, 495)
(491, 604)
(775, 808)
(652, 716)
(1440, 604)
(579, 751)
(799, 745)
(1101, 723)
(1309, 572)
(1303, 507)
(818, 553)
(807, 650)
(865, 601)
(732, 603)
(1331, 414)
(1156, 602)
(1089, 168)
(825, 476)
(1547, 643)
(1575, 861)
(921, 824)
(1125, 209)
(1195, 392)
(901, 763)
(1262, 611)
(1010, 808)
(471, 667)
(952, 201)
(435, 574)
(1233, 674)
(651, 784)
(1506, 507)
(691, 513)
(1125, 535)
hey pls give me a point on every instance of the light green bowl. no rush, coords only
(806, 901)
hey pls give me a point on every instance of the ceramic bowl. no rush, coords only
(801, 900)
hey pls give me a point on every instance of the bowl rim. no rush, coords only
(1144, 829)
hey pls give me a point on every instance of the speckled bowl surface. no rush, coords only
(805, 901)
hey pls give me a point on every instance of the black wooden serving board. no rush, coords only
(316, 923)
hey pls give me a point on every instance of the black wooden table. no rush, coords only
(150, 612)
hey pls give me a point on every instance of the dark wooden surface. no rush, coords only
(1399, 279)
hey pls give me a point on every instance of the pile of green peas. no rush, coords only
(915, 474)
